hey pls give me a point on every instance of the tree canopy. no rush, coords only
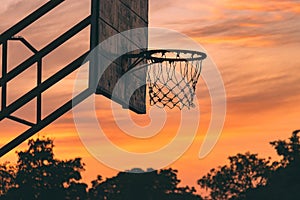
(7, 178)
(249, 177)
(162, 184)
(39, 175)
(285, 181)
(245, 171)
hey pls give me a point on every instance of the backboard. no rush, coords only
(114, 17)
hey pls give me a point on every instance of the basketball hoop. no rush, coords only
(172, 76)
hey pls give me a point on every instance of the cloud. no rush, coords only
(241, 23)
(265, 93)
(13, 11)
(41, 33)
(260, 29)
(256, 47)
(158, 6)
(5, 4)
(264, 6)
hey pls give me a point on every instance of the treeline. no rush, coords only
(248, 177)
(39, 175)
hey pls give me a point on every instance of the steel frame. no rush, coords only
(7, 110)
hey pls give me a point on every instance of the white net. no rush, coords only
(172, 78)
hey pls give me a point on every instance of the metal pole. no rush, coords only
(29, 20)
(43, 86)
(45, 122)
(46, 50)
(94, 41)
(39, 96)
(4, 72)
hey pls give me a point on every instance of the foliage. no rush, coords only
(290, 150)
(162, 185)
(7, 177)
(245, 171)
(285, 181)
(40, 176)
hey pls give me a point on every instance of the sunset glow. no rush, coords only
(254, 45)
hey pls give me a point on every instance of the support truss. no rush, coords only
(7, 110)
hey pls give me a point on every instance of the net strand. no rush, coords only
(173, 83)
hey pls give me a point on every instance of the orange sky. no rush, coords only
(255, 46)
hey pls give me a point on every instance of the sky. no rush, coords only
(254, 45)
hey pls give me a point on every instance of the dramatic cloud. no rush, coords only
(291, 6)
(254, 44)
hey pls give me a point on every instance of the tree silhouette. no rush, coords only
(162, 185)
(285, 181)
(7, 177)
(245, 171)
(40, 176)
(290, 150)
